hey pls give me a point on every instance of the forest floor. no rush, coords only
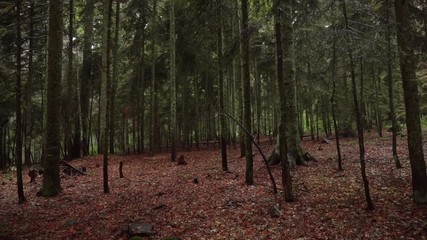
(329, 204)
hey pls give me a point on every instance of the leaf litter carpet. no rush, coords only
(329, 204)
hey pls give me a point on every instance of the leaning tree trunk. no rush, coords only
(51, 178)
(412, 108)
(283, 145)
(359, 123)
(223, 124)
(18, 129)
(247, 94)
(173, 80)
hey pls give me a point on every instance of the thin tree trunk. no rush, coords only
(70, 111)
(377, 100)
(85, 80)
(28, 116)
(246, 94)
(239, 80)
(172, 41)
(334, 104)
(18, 129)
(391, 88)
(363, 111)
(153, 138)
(258, 100)
(283, 145)
(223, 124)
(359, 122)
(197, 113)
(115, 76)
(51, 178)
(317, 122)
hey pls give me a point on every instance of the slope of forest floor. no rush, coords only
(330, 204)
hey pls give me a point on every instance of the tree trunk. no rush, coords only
(408, 66)
(105, 86)
(197, 113)
(51, 178)
(153, 136)
(72, 128)
(258, 100)
(69, 92)
(365, 120)
(390, 84)
(29, 119)
(172, 80)
(239, 80)
(85, 82)
(283, 145)
(359, 122)
(378, 114)
(294, 148)
(223, 124)
(246, 94)
(18, 129)
(334, 104)
(115, 77)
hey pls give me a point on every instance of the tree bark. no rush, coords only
(115, 76)
(85, 80)
(51, 178)
(18, 129)
(172, 41)
(334, 104)
(377, 89)
(29, 119)
(105, 85)
(154, 139)
(72, 128)
(223, 124)
(294, 148)
(390, 84)
(246, 94)
(239, 80)
(412, 108)
(283, 144)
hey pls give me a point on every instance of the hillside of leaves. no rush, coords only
(330, 204)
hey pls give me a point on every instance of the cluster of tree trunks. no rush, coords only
(233, 85)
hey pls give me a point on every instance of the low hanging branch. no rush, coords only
(273, 182)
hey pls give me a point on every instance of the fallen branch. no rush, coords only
(273, 182)
(70, 166)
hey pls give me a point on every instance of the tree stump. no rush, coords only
(121, 169)
(181, 160)
(33, 175)
(274, 158)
